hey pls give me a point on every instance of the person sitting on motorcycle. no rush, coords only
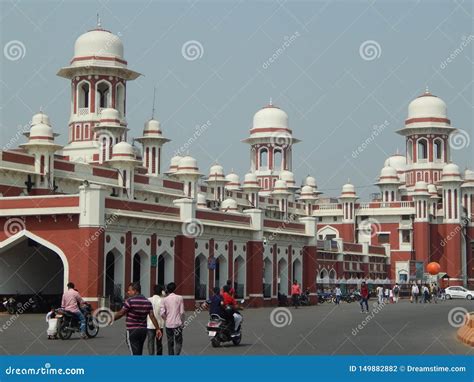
(216, 302)
(71, 302)
(231, 306)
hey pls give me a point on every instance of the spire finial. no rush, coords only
(427, 91)
(271, 102)
(398, 151)
(154, 99)
(99, 24)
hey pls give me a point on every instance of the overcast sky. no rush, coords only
(343, 68)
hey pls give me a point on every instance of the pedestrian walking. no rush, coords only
(295, 294)
(434, 293)
(338, 294)
(153, 342)
(172, 311)
(364, 294)
(380, 294)
(396, 293)
(426, 294)
(137, 308)
(415, 291)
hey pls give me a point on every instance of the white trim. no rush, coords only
(255, 295)
(9, 242)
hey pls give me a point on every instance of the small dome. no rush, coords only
(280, 185)
(41, 131)
(229, 204)
(187, 166)
(137, 152)
(421, 187)
(307, 193)
(468, 174)
(397, 161)
(432, 189)
(109, 118)
(152, 127)
(310, 181)
(174, 162)
(99, 43)
(40, 118)
(451, 169)
(250, 181)
(123, 150)
(427, 105)
(348, 190)
(270, 117)
(288, 177)
(216, 173)
(388, 172)
(233, 182)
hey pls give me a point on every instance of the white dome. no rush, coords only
(123, 150)
(421, 187)
(280, 185)
(233, 182)
(99, 43)
(388, 172)
(306, 190)
(250, 177)
(310, 181)
(229, 204)
(216, 171)
(40, 118)
(397, 161)
(348, 190)
(109, 118)
(432, 189)
(187, 166)
(41, 131)
(427, 105)
(468, 174)
(270, 117)
(450, 172)
(201, 200)
(307, 193)
(151, 127)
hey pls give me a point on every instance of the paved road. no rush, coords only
(403, 328)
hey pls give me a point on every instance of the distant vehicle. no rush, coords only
(458, 292)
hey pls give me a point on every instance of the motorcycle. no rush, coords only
(12, 306)
(304, 299)
(221, 330)
(68, 323)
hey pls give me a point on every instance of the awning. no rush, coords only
(443, 275)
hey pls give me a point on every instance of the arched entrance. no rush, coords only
(283, 276)
(141, 271)
(298, 271)
(200, 277)
(267, 278)
(165, 269)
(221, 272)
(32, 267)
(114, 278)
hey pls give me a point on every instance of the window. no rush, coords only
(277, 159)
(103, 94)
(422, 151)
(120, 99)
(263, 159)
(438, 149)
(406, 236)
(84, 95)
(384, 238)
(410, 151)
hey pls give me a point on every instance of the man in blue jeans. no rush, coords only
(71, 302)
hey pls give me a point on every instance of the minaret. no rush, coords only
(152, 142)
(217, 181)
(110, 131)
(348, 198)
(41, 145)
(188, 173)
(280, 192)
(421, 226)
(251, 188)
(124, 160)
(271, 143)
(98, 73)
(388, 184)
(427, 131)
(308, 197)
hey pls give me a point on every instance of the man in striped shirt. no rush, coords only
(137, 308)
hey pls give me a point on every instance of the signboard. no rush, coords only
(154, 261)
(211, 263)
(416, 270)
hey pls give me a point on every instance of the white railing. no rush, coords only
(83, 111)
(330, 206)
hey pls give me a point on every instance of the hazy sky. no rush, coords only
(343, 68)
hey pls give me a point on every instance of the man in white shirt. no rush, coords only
(380, 294)
(415, 291)
(152, 340)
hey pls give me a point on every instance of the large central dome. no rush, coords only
(270, 117)
(99, 43)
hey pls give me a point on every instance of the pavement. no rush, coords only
(392, 329)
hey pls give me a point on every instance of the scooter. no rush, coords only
(221, 330)
(68, 323)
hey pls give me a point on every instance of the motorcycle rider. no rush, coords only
(216, 302)
(71, 302)
(231, 307)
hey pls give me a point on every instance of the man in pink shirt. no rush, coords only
(71, 301)
(295, 293)
(172, 311)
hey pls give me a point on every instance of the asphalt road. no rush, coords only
(327, 329)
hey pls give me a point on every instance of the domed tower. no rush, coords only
(348, 198)
(217, 181)
(41, 145)
(421, 227)
(270, 143)
(233, 182)
(98, 73)
(125, 161)
(427, 131)
(152, 142)
(188, 173)
(251, 188)
(388, 184)
(308, 197)
(109, 132)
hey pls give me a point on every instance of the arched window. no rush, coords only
(120, 99)
(422, 149)
(103, 95)
(263, 158)
(83, 96)
(438, 149)
(277, 159)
